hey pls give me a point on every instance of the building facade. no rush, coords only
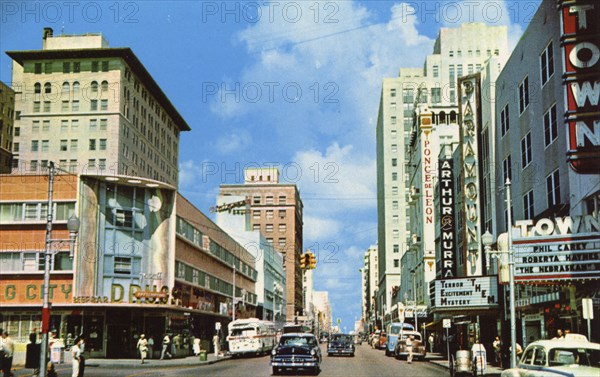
(93, 110)
(276, 210)
(7, 113)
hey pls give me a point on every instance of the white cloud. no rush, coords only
(318, 228)
(234, 142)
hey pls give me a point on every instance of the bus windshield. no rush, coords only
(244, 331)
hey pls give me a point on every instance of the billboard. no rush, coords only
(447, 224)
(479, 291)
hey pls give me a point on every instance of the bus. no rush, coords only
(251, 336)
(394, 330)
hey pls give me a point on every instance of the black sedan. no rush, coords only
(340, 344)
(296, 351)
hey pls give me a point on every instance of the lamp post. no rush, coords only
(73, 227)
(487, 240)
(413, 273)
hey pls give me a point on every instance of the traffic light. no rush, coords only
(303, 260)
(312, 261)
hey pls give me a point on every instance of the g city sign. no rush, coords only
(580, 41)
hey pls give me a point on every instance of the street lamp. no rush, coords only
(73, 227)
(487, 240)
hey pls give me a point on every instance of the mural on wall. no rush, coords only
(128, 254)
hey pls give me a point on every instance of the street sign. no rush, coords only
(447, 323)
(587, 308)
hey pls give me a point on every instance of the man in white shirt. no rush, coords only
(8, 348)
(76, 352)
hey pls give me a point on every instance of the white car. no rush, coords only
(570, 357)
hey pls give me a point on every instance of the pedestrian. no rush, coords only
(559, 334)
(50, 371)
(81, 356)
(8, 346)
(478, 356)
(431, 340)
(142, 346)
(76, 352)
(32, 354)
(150, 347)
(409, 348)
(165, 347)
(216, 343)
(497, 345)
(196, 346)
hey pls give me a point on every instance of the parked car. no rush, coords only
(340, 344)
(393, 331)
(296, 351)
(374, 338)
(419, 350)
(573, 356)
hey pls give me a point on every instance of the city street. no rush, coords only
(367, 362)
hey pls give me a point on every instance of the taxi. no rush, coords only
(572, 356)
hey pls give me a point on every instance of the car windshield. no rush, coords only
(569, 356)
(296, 341)
(341, 338)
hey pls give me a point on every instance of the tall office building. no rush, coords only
(276, 211)
(457, 52)
(7, 110)
(92, 109)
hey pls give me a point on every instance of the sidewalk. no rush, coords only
(441, 361)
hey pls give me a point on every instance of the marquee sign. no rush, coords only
(447, 225)
(469, 141)
(581, 52)
(557, 249)
(480, 291)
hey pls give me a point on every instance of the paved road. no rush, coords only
(367, 362)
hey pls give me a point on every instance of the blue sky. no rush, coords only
(289, 83)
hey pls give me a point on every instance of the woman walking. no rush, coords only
(76, 352)
(142, 346)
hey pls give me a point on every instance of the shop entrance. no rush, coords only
(118, 340)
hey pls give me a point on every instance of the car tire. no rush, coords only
(276, 371)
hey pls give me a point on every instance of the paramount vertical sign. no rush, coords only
(469, 144)
(580, 41)
(447, 225)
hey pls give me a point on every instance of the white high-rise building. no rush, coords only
(457, 52)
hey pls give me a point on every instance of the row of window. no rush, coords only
(27, 261)
(196, 237)
(66, 106)
(36, 166)
(64, 145)
(90, 90)
(269, 199)
(70, 66)
(269, 227)
(470, 53)
(269, 213)
(549, 120)
(35, 211)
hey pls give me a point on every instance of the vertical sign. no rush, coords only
(469, 131)
(580, 41)
(447, 225)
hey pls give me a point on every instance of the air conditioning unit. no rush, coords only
(415, 191)
(416, 239)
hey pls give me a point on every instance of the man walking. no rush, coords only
(76, 352)
(142, 346)
(8, 348)
(165, 347)
(409, 348)
(81, 357)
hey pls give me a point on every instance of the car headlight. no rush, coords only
(274, 352)
(313, 352)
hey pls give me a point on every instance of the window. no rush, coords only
(73, 145)
(269, 199)
(394, 148)
(553, 188)
(33, 165)
(94, 105)
(38, 68)
(282, 228)
(47, 88)
(47, 106)
(396, 263)
(92, 144)
(92, 163)
(394, 176)
(64, 125)
(48, 67)
(269, 228)
(16, 147)
(102, 144)
(256, 227)
(36, 106)
(507, 168)
(256, 213)
(436, 95)
(547, 63)
(104, 86)
(76, 67)
(270, 241)
(393, 134)
(34, 145)
(94, 66)
(75, 105)
(17, 131)
(504, 123)
(102, 164)
(282, 213)
(64, 107)
(46, 126)
(103, 124)
(436, 71)
(63, 145)
(74, 125)
(393, 92)
(452, 75)
(550, 126)
(256, 199)
(451, 53)
(269, 214)
(394, 162)
(528, 210)
(393, 120)
(395, 190)
(35, 127)
(396, 248)
(93, 124)
(122, 265)
(470, 69)
(105, 66)
(526, 150)
(395, 219)
(395, 205)
(281, 241)
(66, 67)
(523, 94)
